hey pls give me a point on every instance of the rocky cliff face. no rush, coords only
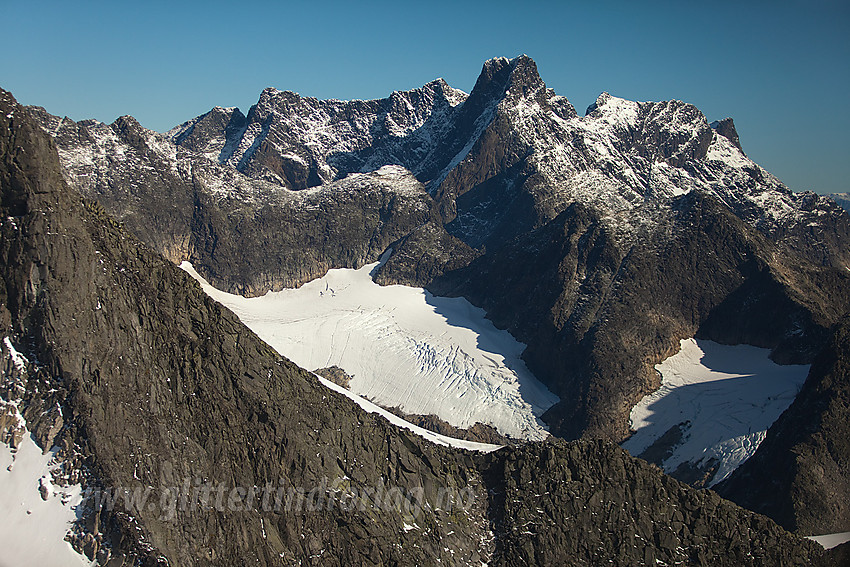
(159, 385)
(798, 476)
(636, 225)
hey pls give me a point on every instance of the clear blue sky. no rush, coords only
(781, 70)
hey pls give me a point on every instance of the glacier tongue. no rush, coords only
(403, 346)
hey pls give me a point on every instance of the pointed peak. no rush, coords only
(603, 97)
(612, 106)
(452, 95)
(726, 128)
(492, 68)
(522, 60)
(500, 76)
(438, 82)
(127, 122)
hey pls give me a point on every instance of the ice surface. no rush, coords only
(403, 347)
(724, 398)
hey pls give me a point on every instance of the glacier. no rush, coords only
(403, 347)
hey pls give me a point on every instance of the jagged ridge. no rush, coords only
(626, 192)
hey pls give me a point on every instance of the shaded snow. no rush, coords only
(730, 395)
(403, 347)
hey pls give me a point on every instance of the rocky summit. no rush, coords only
(598, 240)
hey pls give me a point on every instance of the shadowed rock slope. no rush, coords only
(158, 384)
(596, 316)
(800, 474)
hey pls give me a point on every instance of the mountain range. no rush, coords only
(600, 241)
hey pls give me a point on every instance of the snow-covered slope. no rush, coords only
(32, 527)
(713, 408)
(36, 513)
(628, 160)
(403, 346)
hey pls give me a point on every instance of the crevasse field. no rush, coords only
(403, 347)
(433, 355)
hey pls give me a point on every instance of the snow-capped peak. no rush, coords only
(614, 110)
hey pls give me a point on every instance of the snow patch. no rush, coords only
(36, 514)
(722, 398)
(722, 150)
(17, 359)
(614, 111)
(829, 541)
(435, 438)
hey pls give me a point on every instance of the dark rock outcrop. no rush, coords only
(726, 128)
(335, 374)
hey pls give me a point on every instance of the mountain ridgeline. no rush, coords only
(595, 209)
(598, 240)
(142, 380)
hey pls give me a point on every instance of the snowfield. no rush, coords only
(403, 347)
(36, 514)
(722, 399)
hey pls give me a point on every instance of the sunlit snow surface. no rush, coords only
(399, 422)
(730, 395)
(829, 541)
(403, 346)
(32, 530)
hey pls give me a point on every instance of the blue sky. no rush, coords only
(780, 69)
